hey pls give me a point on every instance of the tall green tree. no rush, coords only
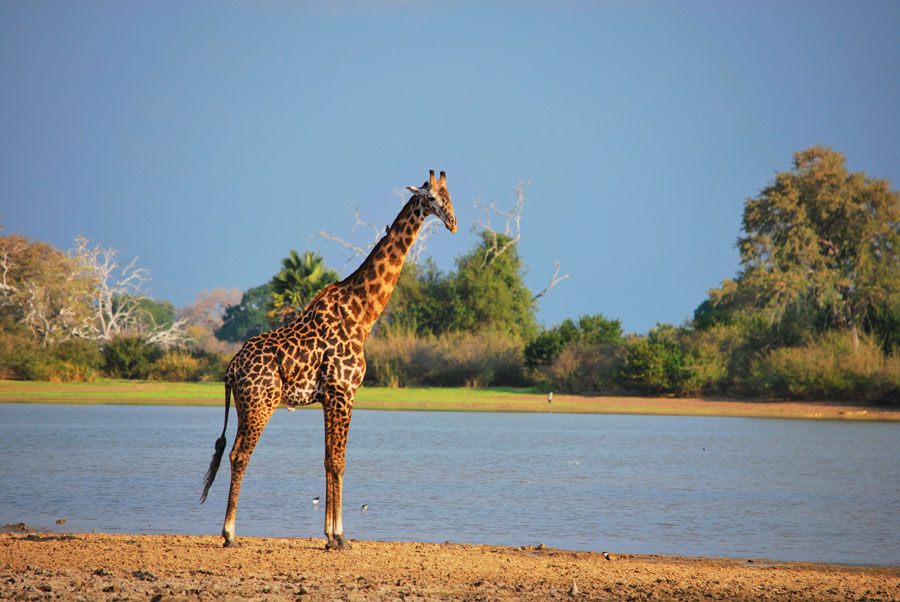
(491, 292)
(299, 281)
(247, 318)
(424, 301)
(486, 292)
(821, 249)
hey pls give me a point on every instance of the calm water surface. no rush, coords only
(733, 487)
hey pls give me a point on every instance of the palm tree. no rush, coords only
(299, 281)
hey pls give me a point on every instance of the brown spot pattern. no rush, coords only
(319, 357)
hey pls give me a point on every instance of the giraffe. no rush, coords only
(319, 359)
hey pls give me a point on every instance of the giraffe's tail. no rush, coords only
(220, 448)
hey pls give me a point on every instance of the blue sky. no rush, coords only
(210, 138)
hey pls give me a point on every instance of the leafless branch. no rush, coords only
(498, 243)
(357, 249)
(513, 218)
(554, 280)
(9, 249)
(119, 289)
(168, 336)
(419, 245)
(416, 251)
(119, 292)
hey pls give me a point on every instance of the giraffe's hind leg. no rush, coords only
(252, 419)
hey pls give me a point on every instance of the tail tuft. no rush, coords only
(220, 447)
(213, 467)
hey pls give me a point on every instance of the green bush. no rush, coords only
(451, 359)
(482, 359)
(176, 366)
(586, 368)
(655, 367)
(18, 349)
(711, 357)
(212, 365)
(398, 359)
(80, 352)
(549, 344)
(22, 357)
(545, 347)
(130, 357)
(830, 366)
(41, 367)
(189, 365)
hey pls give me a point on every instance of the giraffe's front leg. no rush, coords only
(337, 425)
(334, 527)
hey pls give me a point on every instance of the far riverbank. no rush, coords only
(111, 391)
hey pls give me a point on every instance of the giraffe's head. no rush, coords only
(436, 199)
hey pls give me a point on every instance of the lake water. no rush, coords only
(733, 487)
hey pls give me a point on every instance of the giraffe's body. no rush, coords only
(319, 358)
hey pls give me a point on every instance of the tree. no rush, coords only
(247, 318)
(44, 289)
(426, 301)
(485, 292)
(416, 251)
(209, 307)
(655, 367)
(589, 330)
(299, 281)
(497, 243)
(493, 295)
(821, 249)
(120, 303)
(130, 357)
(205, 315)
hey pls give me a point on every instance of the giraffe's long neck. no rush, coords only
(373, 282)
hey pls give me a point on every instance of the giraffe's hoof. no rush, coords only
(338, 543)
(231, 543)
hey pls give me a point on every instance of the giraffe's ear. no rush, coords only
(414, 190)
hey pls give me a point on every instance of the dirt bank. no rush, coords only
(157, 568)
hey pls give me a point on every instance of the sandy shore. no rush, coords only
(157, 568)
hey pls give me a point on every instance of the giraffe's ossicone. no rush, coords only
(319, 359)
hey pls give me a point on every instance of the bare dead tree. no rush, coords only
(53, 311)
(10, 248)
(119, 288)
(357, 250)
(118, 295)
(499, 243)
(167, 336)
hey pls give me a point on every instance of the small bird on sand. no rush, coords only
(316, 502)
(364, 508)
(605, 555)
